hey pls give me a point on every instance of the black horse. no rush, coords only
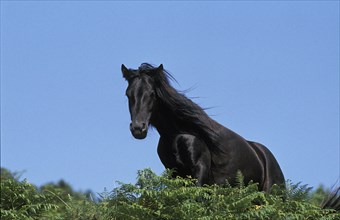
(190, 141)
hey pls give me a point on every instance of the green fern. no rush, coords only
(160, 197)
(20, 199)
(297, 191)
(239, 180)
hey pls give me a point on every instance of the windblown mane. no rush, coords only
(181, 106)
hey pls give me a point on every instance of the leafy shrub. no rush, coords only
(162, 197)
(21, 200)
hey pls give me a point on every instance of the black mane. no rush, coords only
(182, 107)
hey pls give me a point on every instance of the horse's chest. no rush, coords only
(172, 154)
(169, 156)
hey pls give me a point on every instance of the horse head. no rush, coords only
(142, 97)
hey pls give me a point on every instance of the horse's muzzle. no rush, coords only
(139, 130)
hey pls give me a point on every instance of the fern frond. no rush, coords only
(239, 179)
(297, 191)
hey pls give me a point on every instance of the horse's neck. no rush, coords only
(168, 124)
(165, 121)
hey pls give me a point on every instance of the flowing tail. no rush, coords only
(333, 200)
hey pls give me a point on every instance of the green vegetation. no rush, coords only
(160, 197)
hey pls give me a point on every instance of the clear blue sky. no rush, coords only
(270, 70)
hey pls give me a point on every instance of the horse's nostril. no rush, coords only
(143, 126)
(130, 126)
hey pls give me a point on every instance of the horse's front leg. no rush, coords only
(194, 156)
(202, 170)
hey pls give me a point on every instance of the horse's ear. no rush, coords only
(160, 68)
(126, 72)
